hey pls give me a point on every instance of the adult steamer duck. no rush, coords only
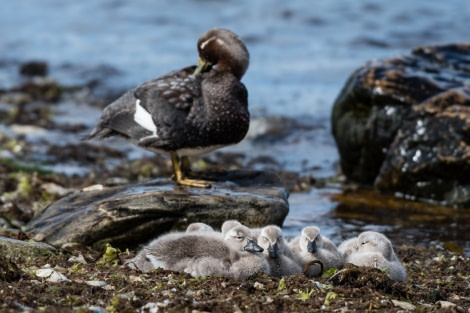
(187, 112)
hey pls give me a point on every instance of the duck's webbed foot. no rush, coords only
(183, 170)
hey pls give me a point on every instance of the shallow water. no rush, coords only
(301, 54)
(433, 227)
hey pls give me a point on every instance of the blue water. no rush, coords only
(302, 52)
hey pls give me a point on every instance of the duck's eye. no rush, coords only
(239, 237)
(364, 242)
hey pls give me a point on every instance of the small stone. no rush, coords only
(44, 272)
(52, 275)
(404, 305)
(93, 187)
(269, 300)
(135, 279)
(109, 287)
(96, 283)
(55, 189)
(150, 307)
(77, 259)
(128, 295)
(449, 306)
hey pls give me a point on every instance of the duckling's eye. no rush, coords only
(364, 242)
(265, 239)
(239, 237)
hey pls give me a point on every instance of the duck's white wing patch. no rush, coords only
(144, 119)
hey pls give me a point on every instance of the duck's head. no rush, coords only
(239, 239)
(272, 241)
(224, 50)
(371, 241)
(310, 239)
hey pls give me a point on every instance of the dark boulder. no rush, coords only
(401, 124)
(429, 158)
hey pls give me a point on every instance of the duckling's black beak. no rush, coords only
(273, 251)
(312, 246)
(202, 66)
(252, 246)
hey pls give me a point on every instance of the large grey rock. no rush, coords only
(402, 125)
(128, 215)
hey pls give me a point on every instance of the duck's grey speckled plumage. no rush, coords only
(190, 113)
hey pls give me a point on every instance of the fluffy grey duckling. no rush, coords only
(187, 112)
(245, 259)
(203, 254)
(347, 247)
(173, 251)
(375, 250)
(229, 224)
(195, 227)
(311, 246)
(278, 254)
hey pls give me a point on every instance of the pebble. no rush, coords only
(51, 275)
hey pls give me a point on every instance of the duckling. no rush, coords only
(187, 112)
(371, 241)
(244, 261)
(347, 247)
(278, 254)
(394, 269)
(229, 224)
(311, 245)
(250, 261)
(194, 227)
(375, 250)
(203, 253)
(173, 251)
